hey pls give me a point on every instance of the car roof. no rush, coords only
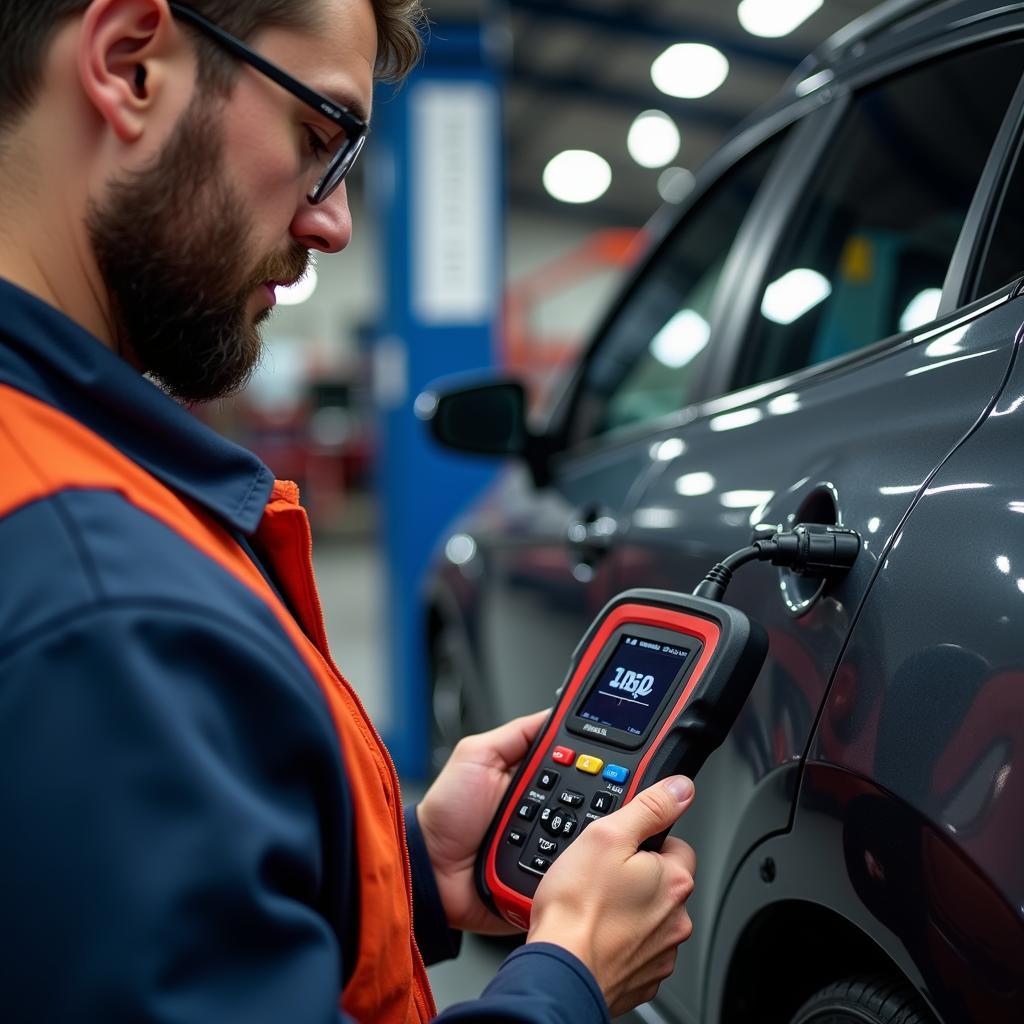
(911, 20)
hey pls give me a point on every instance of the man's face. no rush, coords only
(192, 245)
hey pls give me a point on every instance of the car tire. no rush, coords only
(874, 1000)
(450, 717)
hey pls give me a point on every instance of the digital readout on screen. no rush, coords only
(633, 683)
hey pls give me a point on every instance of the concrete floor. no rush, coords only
(350, 579)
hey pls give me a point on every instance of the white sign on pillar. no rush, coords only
(453, 210)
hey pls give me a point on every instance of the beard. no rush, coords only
(173, 242)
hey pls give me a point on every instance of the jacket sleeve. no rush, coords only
(435, 939)
(164, 777)
(539, 983)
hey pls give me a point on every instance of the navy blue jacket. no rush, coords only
(176, 825)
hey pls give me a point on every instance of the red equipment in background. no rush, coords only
(536, 354)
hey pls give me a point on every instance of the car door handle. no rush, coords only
(591, 536)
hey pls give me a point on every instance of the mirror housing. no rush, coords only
(483, 418)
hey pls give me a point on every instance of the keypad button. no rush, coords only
(540, 864)
(570, 797)
(589, 764)
(559, 823)
(527, 810)
(547, 846)
(563, 755)
(516, 836)
(602, 803)
(547, 779)
(615, 773)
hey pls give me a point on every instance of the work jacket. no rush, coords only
(200, 822)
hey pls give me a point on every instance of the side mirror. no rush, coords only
(487, 419)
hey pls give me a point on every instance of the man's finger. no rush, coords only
(510, 742)
(654, 809)
(675, 847)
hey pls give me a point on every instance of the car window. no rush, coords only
(647, 361)
(868, 255)
(1003, 260)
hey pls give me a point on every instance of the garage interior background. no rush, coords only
(606, 112)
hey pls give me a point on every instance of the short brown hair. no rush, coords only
(28, 26)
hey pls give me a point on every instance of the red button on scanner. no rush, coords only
(563, 755)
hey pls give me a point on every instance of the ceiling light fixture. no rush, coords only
(690, 70)
(681, 339)
(577, 176)
(794, 294)
(772, 19)
(653, 139)
(921, 310)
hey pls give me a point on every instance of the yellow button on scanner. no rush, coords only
(588, 764)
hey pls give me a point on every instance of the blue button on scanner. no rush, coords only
(615, 773)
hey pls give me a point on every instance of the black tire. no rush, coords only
(873, 1000)
(450, 717)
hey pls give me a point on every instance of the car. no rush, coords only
(827, 332)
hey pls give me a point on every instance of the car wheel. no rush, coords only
(875, 1000)
(450, 715)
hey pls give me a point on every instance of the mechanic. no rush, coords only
(199, 821)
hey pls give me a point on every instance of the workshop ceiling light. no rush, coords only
(681, 339)
(303, 289)
(693, 485)
(577, 176)
(690, 70)
(675, 184)
(793, 294)
(771, 19)
(922, 309)
(653, 139)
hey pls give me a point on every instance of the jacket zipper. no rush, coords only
(324, 651)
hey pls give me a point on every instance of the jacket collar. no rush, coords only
(47, 355)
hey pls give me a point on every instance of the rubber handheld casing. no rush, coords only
(697, 714)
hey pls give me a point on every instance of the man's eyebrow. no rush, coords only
(350, 102)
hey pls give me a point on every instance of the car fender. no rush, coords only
(862, 883)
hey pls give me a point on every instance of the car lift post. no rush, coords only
(435, 187)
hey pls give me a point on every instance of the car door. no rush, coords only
(926, 710)
(848, 388)
(546, 547)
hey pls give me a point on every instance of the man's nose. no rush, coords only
(327, 226)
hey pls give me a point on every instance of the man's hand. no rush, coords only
(621, 910)
(457, 809)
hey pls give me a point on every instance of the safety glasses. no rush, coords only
(352, 130)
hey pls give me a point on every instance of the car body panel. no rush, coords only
(929, 698)
(884, 872)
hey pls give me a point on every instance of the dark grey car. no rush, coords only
(828, 332)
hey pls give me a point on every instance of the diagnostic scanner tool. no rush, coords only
(653, 688)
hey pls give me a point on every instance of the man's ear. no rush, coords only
(123, 55)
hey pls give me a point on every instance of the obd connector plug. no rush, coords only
(808, 550)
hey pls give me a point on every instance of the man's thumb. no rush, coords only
(656, 808)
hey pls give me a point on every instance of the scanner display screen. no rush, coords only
(633, 683)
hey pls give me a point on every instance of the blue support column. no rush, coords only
(435, 186)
